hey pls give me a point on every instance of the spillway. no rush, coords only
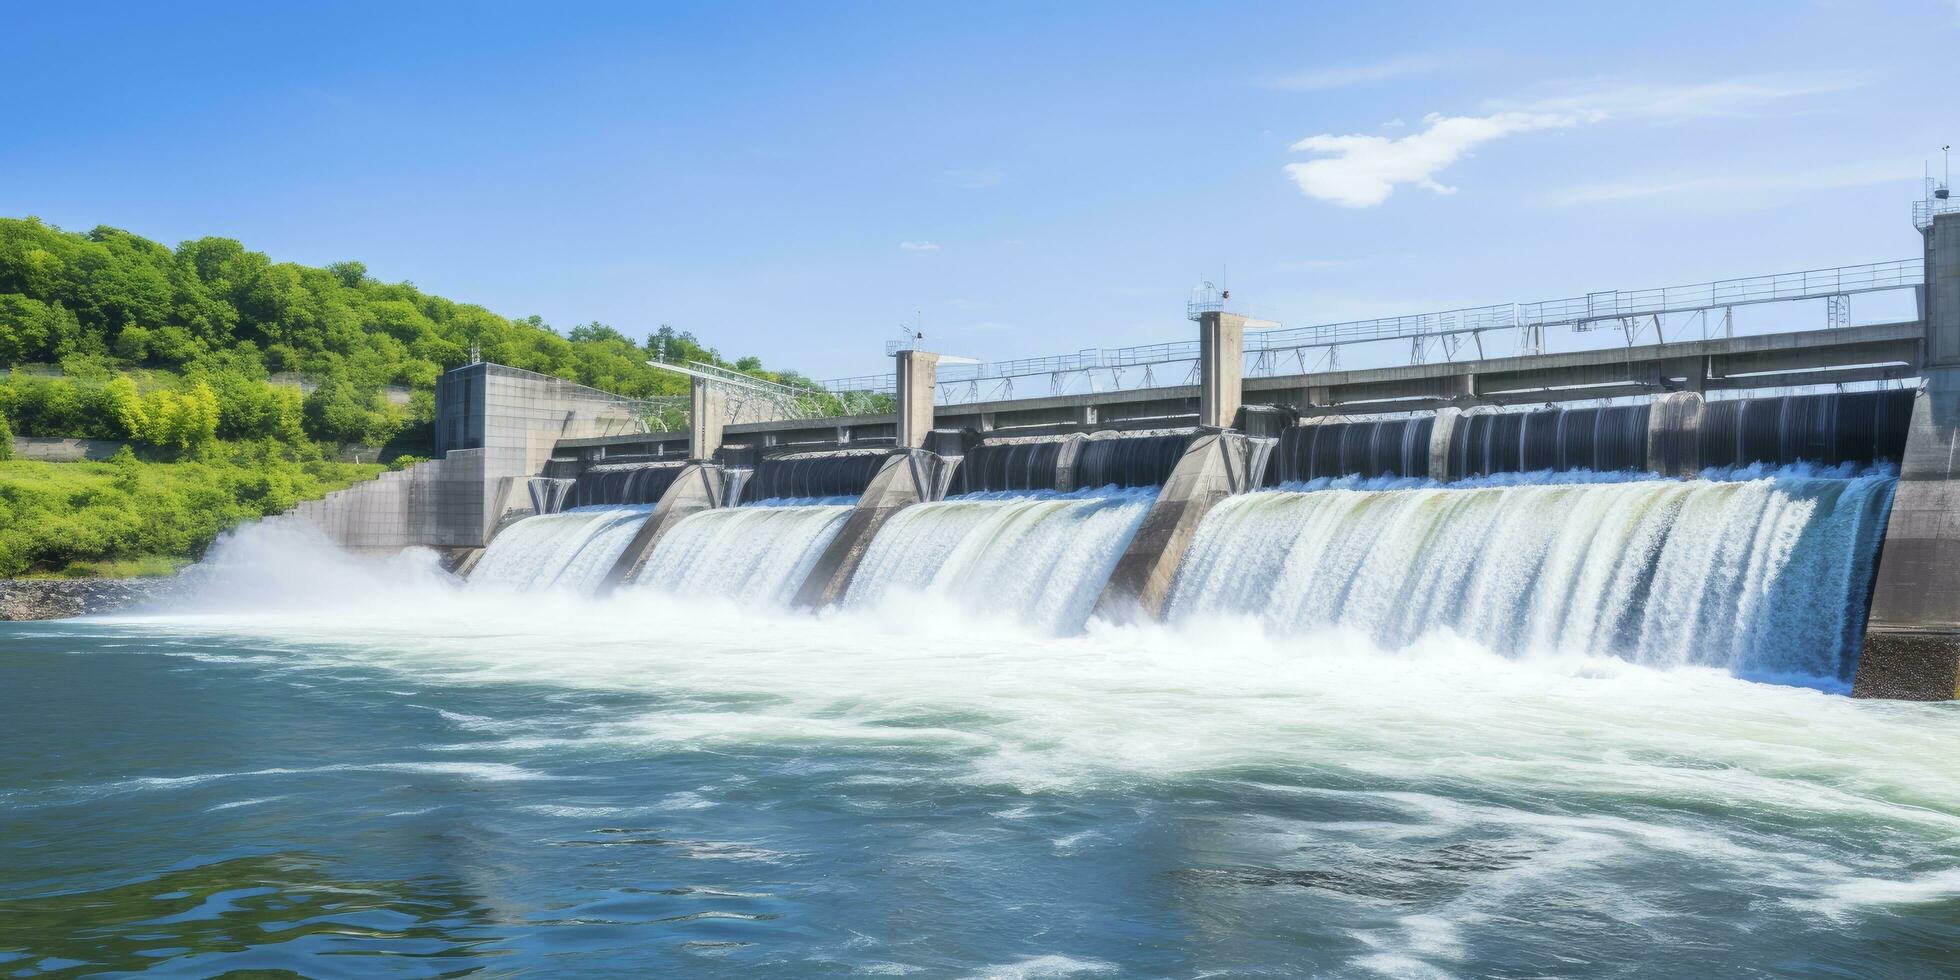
(758, 553)
(572, 550)
(1766, 576)
(1042, 558)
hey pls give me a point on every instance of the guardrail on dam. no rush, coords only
(1842, 395)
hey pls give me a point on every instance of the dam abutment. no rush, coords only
(1912, 635)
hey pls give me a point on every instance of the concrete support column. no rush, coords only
(1065, 460)
(709, 412)
(1221, 367)
(1942, 289)
(907, 477)
(1912, 636)
(1674, 434)
(695, 489)
(918, 375)
(1439, 444)
(1214, 466)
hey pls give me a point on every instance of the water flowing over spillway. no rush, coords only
(1042, 558)
(1766, 577)
(571, 551)
(755, 554)
(659, 784)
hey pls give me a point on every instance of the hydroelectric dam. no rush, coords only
(1639, 474)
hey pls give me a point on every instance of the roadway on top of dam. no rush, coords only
(1866, 353)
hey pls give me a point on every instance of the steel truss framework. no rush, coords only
(1640, 316)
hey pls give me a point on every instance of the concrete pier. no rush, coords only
(1221, 366)
(697, 488)
(918, 373)
(1674, 434)
(1215, 466)
(708, 413)
(1912, 637)
(908, 477)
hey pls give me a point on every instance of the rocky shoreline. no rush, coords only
(62, 598)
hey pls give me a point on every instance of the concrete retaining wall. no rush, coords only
(51, 450)
(496, 427)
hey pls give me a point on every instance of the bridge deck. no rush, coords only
(1876, 352)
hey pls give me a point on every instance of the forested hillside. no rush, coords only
(219, 315)
(196, 356)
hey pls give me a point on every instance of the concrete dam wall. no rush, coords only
(1768, 575)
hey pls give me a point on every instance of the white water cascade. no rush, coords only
(572, 550)
(758, 553)
(1766, 575)
(1042, 557)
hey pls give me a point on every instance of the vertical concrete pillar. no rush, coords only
(696, 488)
(1439, 444)
(1221, 367)
(1912, 636)
(907, 477)
(1942, 291)
(1214, 466)
(1674, 434)
(707, 414)
(918, 375)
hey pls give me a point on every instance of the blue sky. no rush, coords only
(797, 180)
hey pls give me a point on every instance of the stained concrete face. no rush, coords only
(1215, 466)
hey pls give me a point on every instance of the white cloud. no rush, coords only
(1733, 186)
(1345, 76)
(1742, 95)
(974, 180)
(1362, 171)
(918, 247)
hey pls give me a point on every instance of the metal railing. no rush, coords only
(1446, 332)
(1923, 211)
(1783, 287)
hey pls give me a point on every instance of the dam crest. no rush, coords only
(1770, 506)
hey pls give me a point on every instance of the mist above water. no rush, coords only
(1355, 794)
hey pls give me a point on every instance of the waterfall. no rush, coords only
(548, 493)
(1766, 575)
(572, 550)
(1041, 557)
(758, 553)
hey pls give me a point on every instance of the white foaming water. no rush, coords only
(759, 553)
(1040, 559)
(572, 550)
(1603, 770)
(1764, 577)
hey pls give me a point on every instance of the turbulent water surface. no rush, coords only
(333, 756)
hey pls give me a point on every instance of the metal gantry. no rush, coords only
(1639, 315)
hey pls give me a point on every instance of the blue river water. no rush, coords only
(413, 779)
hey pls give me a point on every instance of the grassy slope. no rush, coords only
(128, 517)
